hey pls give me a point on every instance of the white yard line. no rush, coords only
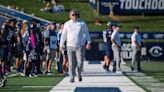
(12, 75)
(37, 86)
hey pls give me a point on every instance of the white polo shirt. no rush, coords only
(136, 37)
(75, 33)
(116, 37)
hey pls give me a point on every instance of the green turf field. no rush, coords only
(44, 84)
(36, 84)
(154, 69)
(147, 23)
(41, 83)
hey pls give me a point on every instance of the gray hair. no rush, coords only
(74, 11)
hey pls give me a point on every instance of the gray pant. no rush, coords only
(136, 57)
(75, 59)
(83, 56)
(117, 57)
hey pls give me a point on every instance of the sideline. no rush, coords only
(96, 79)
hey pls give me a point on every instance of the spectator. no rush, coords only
(7, 40)
(116, 47)
(39, 45)
(2, 63)
(136, 41)
(98, 22)
(18, 53)
(50, 41)
(25, 33)
(3, 25)
(107, 45)
(9, 35)
(49, 5)
(35, 40)
(46, 51)
(53, 45)
(64, 53)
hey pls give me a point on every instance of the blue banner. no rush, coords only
(127, 35)
(155, 51)
(149, 51)
(130, 6)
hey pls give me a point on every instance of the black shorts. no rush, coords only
(65, 52)
(18, 55)
(2, 54)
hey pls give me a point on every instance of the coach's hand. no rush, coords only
(61, 49)
(88, 46)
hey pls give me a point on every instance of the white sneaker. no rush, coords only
(35, 75)
(30, 76)
(3, 82)
(22, 74)
(119, 72)
(123, 63)
(0, 83)
(49, 73)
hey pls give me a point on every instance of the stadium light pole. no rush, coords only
(98, 8)
(111, 9)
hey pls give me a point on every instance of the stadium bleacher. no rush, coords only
(19, 15)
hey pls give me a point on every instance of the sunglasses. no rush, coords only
(74, 14)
